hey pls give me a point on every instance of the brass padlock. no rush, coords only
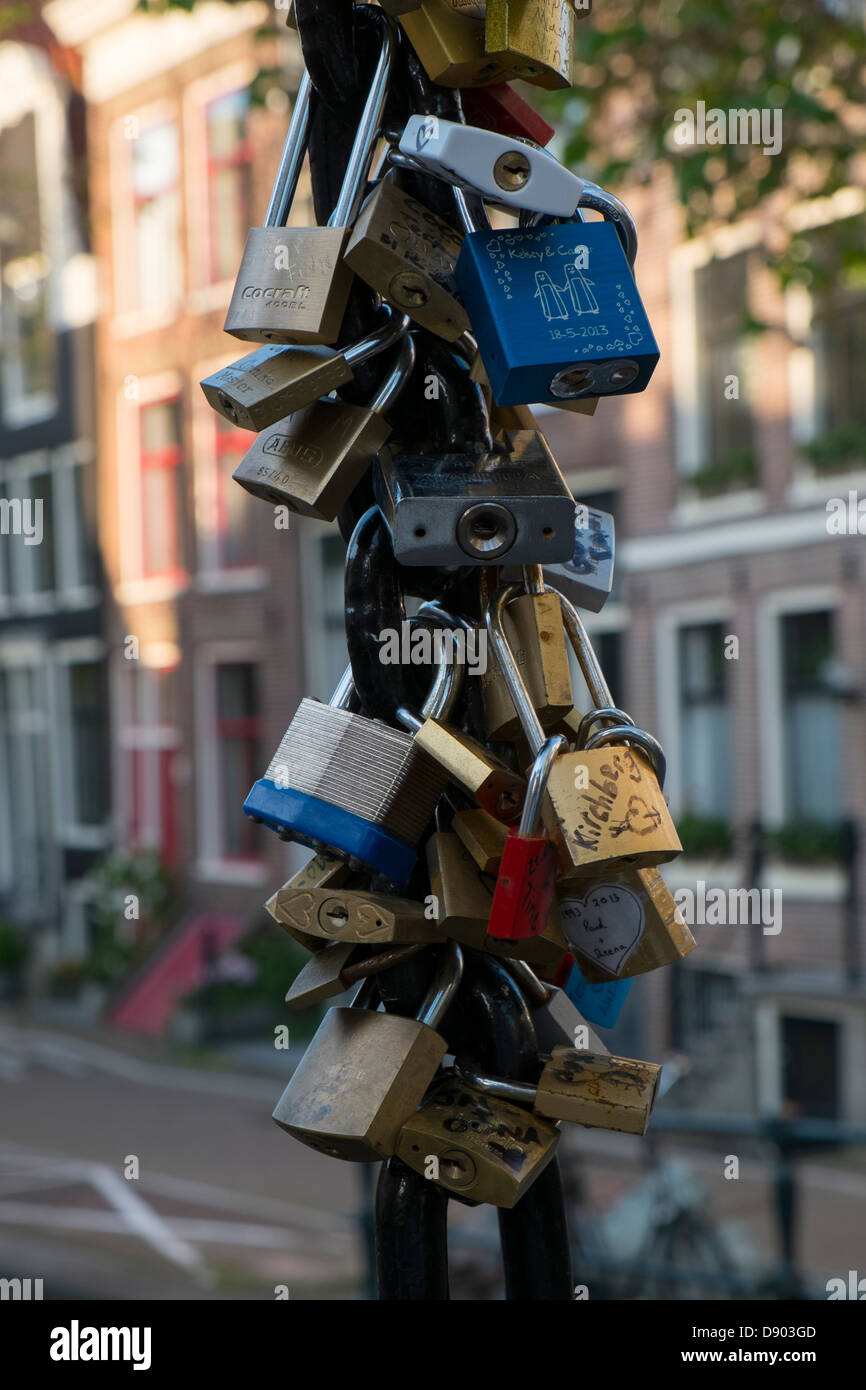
(312, 461)
(364, 1073)
(532, 39)
(408, 254)
(535, 633)
(556, 1020)
(293, 282)
(623, 925)
(603, 805)
(275, 381)
(478, 1146)
(450, 46)
(322, 871)
(339, 966)
(482, 836)
(497, 789)
(345, 914)
(600, 1092)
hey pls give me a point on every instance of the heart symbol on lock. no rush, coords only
(605, 925)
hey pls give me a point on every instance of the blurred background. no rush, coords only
(157, 633)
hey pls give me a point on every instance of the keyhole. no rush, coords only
(333, 916)
(511, 170)
(409, 289)
(228, 406)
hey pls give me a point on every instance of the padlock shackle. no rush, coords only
(514, 682)
(446, 982)
(534, 990)
(292, 158)
(385, 336)
(626, 732)
(397, 378)
(448, 676)
(542, 763)
(613, 210)
(344, 692)
(352, 189)
(609, 712)
(599, 690)
(520, 1091)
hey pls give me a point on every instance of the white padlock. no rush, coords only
(513, 173)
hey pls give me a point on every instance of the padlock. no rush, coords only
(463, 897)
(354, 784)
(322, 871)
(408, 254)
(532, 39)
(496, 788)
(293, 282)
(512, 504)
(557, 1022)
(498, 107)
(526, 881)
(606, 1092)
(510, 172)
(600, 1003)
(275, 381)
(624, 924)
(478, 1146)
(534, 631)
(354, 915)
(482, 836)
(603, 805)
(587, 578)
(450, 46)
(339, 966)
(555, 310)
(364, 1073)
(312, 461)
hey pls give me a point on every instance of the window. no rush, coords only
(239, 756)
(148, 739)
(50, 521)
(228, 179)
(163, 512)
(810, 1068)
(810, 718)
(26, 786)
(839, 327)
(88, 773)
(231, 542)
(705, 721)
(155, 177)
(721, 308)
(28, 346)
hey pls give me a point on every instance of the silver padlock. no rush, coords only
(511, 506)
(514, 173)
(293, 283)
(587, 578)
(556, 1021)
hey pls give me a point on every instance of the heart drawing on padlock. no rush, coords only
(605, 925)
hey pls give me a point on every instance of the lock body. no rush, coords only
(511, 506)
(483, 836)
(587, 578)
(319, 979)
(602, 1092)
(533, 39)
(485, 1148)
(556, 313)
(273, 382)
(524, 887)
(354, 915)
(495, 787)
(604, 806)
(408, 254)
(321, 871)
(292, 286)
(358, 1082)
(498, 107)
(533, 627)
(624, 924)
(312, 461)
(450, 46)
(376, 815)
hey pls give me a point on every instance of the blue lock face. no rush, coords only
(600, 1004)
(556, 313)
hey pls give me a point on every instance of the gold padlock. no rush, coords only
(497, 789)
(322, 871)
(482, 836)
(600, 1092)
(623, 925)
(532, 39)
(408, 254)
(536, 636)
(603, 805)
(478, 1146)
(346, 914)
(339, 966)
(451, 47)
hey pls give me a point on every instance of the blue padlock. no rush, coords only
(556, 311)
(599, 1003)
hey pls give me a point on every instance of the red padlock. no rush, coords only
(527, 873)
(499, 108)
